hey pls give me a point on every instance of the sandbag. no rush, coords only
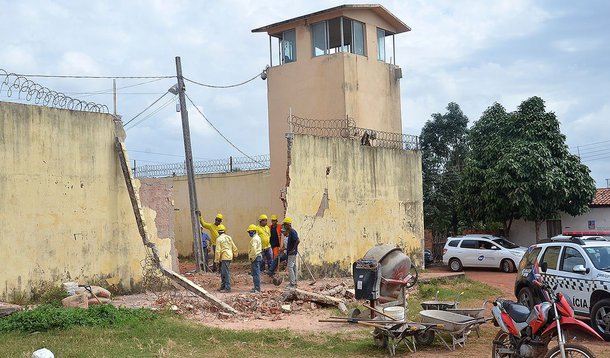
(100, 291)
(78, 300)
(103, 300)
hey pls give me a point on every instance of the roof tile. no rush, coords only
(602, 197)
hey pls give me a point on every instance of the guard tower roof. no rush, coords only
(379, 10)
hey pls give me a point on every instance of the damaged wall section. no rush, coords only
(65, 213)
(239, 196)
(345, 198)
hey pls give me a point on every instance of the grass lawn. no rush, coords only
(111, 333)
(169, 336)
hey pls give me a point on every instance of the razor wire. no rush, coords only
(346, 128)
(215, 166)
(41, 95)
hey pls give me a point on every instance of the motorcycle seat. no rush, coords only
(517, 312)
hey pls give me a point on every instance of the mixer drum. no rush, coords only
(394, 264)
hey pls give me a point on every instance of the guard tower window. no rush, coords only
(340, 34)
(288, 45)
(385, 45)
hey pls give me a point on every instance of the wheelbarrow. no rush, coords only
(436, 304)
(457, 326)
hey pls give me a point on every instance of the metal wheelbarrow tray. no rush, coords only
(458, 326)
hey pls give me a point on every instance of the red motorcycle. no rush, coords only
(525, 333)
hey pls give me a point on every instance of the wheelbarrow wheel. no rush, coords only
(425, 338)
(380, 339)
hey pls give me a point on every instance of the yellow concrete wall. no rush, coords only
(65, 212)
(240, 196)
(374, 197)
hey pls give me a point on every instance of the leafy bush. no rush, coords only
(47, 317)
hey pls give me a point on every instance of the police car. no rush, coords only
(579, 267)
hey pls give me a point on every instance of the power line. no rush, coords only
(145, 109)
(220, 133)
(165, 154)
(94, 77)
(590, 144)
(224, 86)
(151, 114)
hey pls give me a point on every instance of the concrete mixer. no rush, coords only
(383, 275)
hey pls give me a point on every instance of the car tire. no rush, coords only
(526, 297)
(507, 266)
(600, 318)
(455, 265)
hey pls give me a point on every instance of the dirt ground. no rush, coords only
(267, 314)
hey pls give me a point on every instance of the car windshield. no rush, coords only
(600, 256)
(505, 243)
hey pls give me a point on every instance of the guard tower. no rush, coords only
(331, 64)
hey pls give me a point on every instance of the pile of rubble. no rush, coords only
(271, 304)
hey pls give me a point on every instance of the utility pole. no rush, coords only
(186, 133)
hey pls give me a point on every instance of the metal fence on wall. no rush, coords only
(231, 164)
(346, 128)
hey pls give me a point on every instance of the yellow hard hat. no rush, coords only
(262, 217)
(221, 227)
(219, 216)
(287, 221)
(273, 217)
(252, 227)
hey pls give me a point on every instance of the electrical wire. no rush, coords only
(220, 133)
(224, 86)
(171, 100)
(110, 90)
(94, 77)
(590, 144)
(145, 109)
(165, 154)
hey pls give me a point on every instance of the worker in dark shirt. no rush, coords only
(292, 251)
(276, 236)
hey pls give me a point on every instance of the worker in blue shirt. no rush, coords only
(205, 243)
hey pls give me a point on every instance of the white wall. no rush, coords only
(523, 232)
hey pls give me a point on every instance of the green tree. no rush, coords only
(443, 145)
(519, 167)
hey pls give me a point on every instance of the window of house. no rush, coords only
(288, 45)
(338, 35)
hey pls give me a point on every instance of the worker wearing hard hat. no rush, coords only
(292, 247)
(225, 252)
(254, 254)
(265, 234)
(213, 228)
(276, 236)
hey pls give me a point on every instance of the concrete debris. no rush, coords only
(286, 308)
(174, 308)
(7, 309)
(342, 307)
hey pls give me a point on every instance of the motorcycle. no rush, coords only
(524, 333)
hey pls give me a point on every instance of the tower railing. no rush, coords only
(346, 128)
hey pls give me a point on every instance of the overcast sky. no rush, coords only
(474, 53)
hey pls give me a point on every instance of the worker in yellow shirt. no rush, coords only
(265, 234)
(225, 252)
(254, 254)
(213, 228)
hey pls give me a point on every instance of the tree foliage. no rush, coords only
(443, 145)
(519, 167)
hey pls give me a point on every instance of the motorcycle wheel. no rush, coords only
(501, 340)
(572, 350)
